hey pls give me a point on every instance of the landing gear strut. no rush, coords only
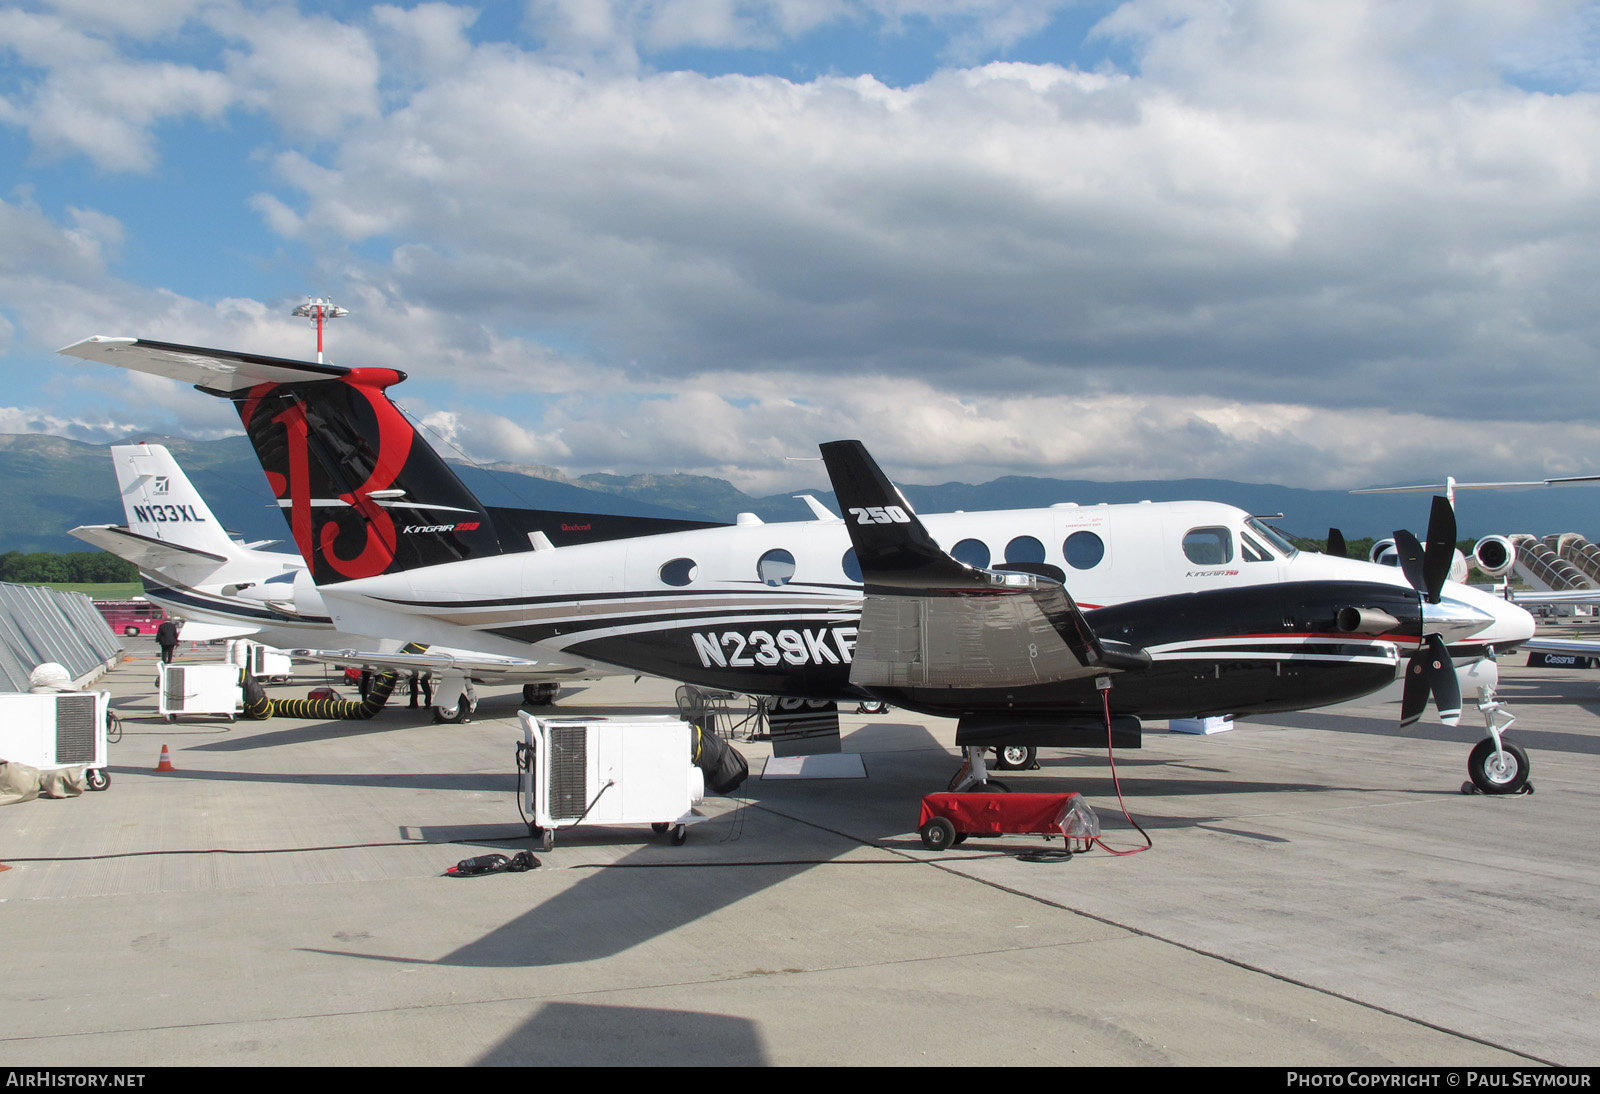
(974, 776)
(1497, 766)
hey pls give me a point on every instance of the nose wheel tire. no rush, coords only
(1498, 772)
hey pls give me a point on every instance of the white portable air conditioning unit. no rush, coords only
(268, 663)
(55, 731)
(602, 771)
(211, 690)
(264, 662)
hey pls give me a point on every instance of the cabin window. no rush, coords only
(1024, 549)
(852, 567)
(974, 552)
(776, 567)
(1208, 546)
(1083, 550)
(680, 571)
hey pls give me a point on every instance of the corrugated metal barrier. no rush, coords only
(39, 625)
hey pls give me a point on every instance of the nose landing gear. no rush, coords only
(1496, 765)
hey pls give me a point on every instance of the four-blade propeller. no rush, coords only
(1429, 668)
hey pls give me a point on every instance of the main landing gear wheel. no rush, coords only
(1015, 757)
(539, 695)
(1502, 772)
(96, 778)
(457, 714)
(938, 834)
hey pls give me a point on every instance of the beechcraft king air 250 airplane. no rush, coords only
(1175, 610)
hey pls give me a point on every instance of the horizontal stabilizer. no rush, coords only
(929, 620)
(142, 551)
(212, 369)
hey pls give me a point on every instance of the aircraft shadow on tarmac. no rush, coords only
(1557, 690)
(586, 1034)
(657, 889)
(1550, 740)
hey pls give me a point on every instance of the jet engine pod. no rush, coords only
(1494, 555)
(1365, 621)
(1383, 553)
(1458, 567)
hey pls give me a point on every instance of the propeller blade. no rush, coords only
(1441, 548)
(1442, 679)
(1336, 545)
(1410, 552)
(1414, 699)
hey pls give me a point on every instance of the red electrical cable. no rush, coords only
(1105, 695)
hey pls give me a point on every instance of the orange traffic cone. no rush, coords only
(166, 760)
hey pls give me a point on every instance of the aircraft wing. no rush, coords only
(1563, 596)
(929, 620)
(1588, 647)
(213, 369)
(142, 551)
(478, 666)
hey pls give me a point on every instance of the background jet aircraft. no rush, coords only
(1195, 608)
(222, 588)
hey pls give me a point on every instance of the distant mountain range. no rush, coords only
(49, 484)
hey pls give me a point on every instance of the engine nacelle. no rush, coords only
(1494, 555)
(293, 593)
(1384, 554)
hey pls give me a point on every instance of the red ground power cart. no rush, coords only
(948, 819)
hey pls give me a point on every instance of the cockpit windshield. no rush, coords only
(1271, 536)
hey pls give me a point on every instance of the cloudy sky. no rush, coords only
(1318, 242)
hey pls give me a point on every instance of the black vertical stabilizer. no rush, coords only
(363, 492)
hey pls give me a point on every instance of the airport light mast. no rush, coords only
(319, 309)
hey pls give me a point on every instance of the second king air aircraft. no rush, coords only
(1037, 626)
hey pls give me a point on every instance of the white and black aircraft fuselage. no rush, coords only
(1187, 608)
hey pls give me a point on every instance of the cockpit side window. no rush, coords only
(1252, 551)
(1208, 546)
(1271, 535)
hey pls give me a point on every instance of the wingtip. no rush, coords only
(106, 340)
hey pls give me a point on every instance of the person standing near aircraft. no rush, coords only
(167, 637)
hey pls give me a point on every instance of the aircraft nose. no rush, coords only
(1470, 614)
(1513, 623)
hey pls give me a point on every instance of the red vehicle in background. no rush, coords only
(131, 617)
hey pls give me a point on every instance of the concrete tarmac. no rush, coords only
(1319, 893)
